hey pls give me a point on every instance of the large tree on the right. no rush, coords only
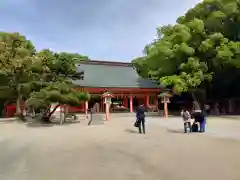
(189, 55)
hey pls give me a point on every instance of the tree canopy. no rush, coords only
(192, 54)
(56, 72)
(39, 78)
(16, 59)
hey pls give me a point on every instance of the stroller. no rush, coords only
(195, 127)
(197, 118)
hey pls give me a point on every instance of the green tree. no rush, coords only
(41, 78)
(16, 59)
(57, 71)
(191, 54)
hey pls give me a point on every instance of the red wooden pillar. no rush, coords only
(102, 105)
(125, 101)
(166, 109)
(131, 103)
(156, 102)
(86, 107)
(147, 100)
(107, 111)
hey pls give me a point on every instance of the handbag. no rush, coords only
(137, 123)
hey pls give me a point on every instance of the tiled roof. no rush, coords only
(111, 75)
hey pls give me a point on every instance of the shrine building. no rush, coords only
(121, 80)
(118, 78)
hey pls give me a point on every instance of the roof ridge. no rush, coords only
(107, 63)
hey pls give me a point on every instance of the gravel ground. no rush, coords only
(115, 151)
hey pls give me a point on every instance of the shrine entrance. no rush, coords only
(136, 102)
(124, 100)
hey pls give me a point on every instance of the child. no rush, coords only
(186, 120)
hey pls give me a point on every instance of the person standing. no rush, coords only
(200, 117)
(186, 120)
(140, 115)
(202, 122)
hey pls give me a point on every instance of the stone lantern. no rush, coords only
(107, 100)
(165, 100)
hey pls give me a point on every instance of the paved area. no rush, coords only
(220, 127)
(114, 151)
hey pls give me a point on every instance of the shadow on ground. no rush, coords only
(131, 131)
(179, 131)
(176, 131)
(35, 124)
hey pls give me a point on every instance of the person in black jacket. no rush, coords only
(203, 121)
(199, 116)
(140, 115)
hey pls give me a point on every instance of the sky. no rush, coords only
(111, 30)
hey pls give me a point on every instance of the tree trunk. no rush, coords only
(18, 101)
(53, 111)
(46, 117)
(65, 112)
(47, 111)
(199, 99)
(62, 115)
(196, 103)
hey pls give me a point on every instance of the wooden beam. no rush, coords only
(119, 90)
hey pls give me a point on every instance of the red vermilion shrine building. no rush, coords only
(121, 80)
(118, 78)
